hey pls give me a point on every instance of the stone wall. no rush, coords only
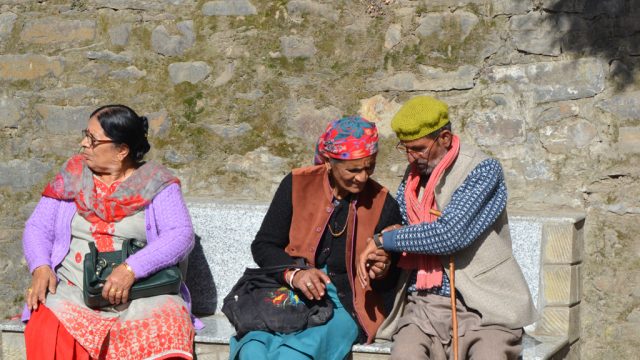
(238, 90)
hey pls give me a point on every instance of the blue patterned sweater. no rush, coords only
(473, 208)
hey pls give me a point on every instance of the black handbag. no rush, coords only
(99, 265)
(259, 302)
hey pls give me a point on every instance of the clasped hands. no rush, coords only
(373, 263)
(116, 288)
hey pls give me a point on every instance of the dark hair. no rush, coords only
(122, 125)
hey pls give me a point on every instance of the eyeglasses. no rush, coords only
(404, 150)
(93, 142)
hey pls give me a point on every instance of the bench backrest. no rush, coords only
(226, 231)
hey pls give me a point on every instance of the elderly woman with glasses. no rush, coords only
(103, 196)
(324, 215)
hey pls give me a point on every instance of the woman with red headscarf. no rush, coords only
(324, 215)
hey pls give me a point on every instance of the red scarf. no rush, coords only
(429, 267)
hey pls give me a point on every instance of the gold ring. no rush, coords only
(112, 291)
(30, 290)
(384, 266)
(309, 284)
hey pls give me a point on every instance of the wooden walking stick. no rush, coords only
(454, 315)
(454, 312)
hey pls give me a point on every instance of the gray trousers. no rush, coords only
(424, 332)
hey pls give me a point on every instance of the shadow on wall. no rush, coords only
(608, 29)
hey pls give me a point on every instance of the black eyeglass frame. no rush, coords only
(93, 142)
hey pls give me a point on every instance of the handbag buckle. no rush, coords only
(101, 264)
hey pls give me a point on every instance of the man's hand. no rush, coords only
(116, 288)
(42, 280)
(311, 282)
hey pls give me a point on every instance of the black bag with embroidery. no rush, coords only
(259, 302)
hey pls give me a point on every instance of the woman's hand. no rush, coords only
(311, 282)
(374, 263)
(116, 288)
(43, 279)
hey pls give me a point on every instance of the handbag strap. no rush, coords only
(126, 250)
(273, 269)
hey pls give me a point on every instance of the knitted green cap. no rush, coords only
(418, 117)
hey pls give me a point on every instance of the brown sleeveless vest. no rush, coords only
(312, 207)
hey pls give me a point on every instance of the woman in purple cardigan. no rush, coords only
(106, 195)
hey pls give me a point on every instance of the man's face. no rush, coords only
(426, 152)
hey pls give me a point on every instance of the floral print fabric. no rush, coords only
(146, 328)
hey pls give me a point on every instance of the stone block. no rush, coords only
(226, 75)
(554, 80)
(497, 128)
(441, 24)
(298, 8)
(130, 73)
(562, 243)
(134, 4)
(304, 120)
(625, 106)
(229, 131)
(258, 164)
(7, 20)
(562, 284)
(429, 79)
(510, 7)
(555, 112)
(159, 123)
(295, 46)
(591, 9)
(393, 36)
(573, 133)
(629, 139)
(229, 8)
(73, 95)
(173, 157)
(192, 72)
(106, 55)
(119, 34)
(167, 44)
(437, 79)
(558, 321)
(64, 119)
(22, 174)
(55, 31)
(380, 111)
(538, 33)
(252, 95)
(29, 67)
(13, 346)
(10, 112)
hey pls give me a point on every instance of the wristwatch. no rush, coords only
(377, 240)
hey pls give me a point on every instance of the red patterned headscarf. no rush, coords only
(75, 182)
(348, 138)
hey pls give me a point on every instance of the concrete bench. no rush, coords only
(547, 246)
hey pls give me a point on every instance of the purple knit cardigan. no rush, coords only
(170, 238)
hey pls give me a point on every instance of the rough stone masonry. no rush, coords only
(238, 90)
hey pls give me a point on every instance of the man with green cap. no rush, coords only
(453, 202)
